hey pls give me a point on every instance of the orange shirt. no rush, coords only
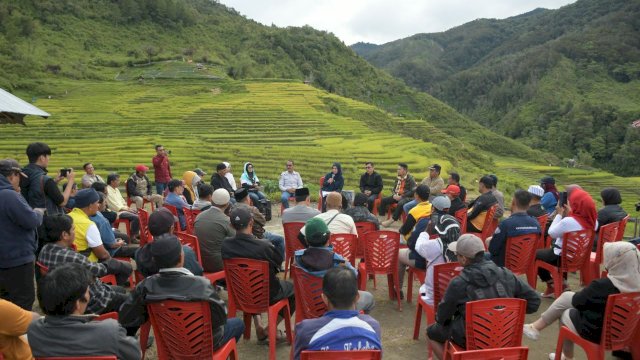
(15, 322)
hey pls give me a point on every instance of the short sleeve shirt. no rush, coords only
(15, 322)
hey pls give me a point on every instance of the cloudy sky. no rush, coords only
(381, 21)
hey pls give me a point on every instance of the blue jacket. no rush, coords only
(516, 224)
(549, 202)
(18, 224)
(337, 330)
(106, 232)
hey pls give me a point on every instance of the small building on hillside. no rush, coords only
(13, 109)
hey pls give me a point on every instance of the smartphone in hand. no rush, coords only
(562, 201)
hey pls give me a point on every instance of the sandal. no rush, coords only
(280, 338)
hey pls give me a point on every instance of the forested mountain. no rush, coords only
(565, 80)
(45, 40)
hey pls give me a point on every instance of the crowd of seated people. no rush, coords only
(59, 243)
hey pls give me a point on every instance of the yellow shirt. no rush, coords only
(85, 233)
(115, 201)
(478, 221)
(15, 323)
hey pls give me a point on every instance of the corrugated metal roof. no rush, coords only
(13, 104)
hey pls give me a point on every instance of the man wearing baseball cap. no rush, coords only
(480, 279)
(453, 193)
(139, 188)
(18, 242)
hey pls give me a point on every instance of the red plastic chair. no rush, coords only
(345, 245)
(174, 211)
(591, 270)
(341, 355)
(576, 249)
(145, 235)
(461, 215)
(291, 199)
(109, 357)
(292, 243)
(489, 226)
(183, 330)
(190, 217)
(619, 327)
(510, 353)
(376, 204)
(144, 202)
(320, 194)
(622, 228)
(107, 279)
(417, 274)
(491, 324)
(248, 288)
(520, 255)
(381, 254)
(362, 227)
(126, 222)
(392, 207)
(442, 276)
(308, 291)
(542, 221)
(192, 242)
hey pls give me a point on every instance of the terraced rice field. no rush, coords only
(205, 121)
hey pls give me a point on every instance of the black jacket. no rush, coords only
(610, 214)
(456, 204)
(482, 203)
(371, 182)
(174, 285)
(218, 182)
(248, 246)
(590, 304)
(451, 310)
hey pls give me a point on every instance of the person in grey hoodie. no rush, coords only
(18, 241)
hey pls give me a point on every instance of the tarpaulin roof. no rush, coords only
(13, 109)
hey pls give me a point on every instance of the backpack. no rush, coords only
(265, 208)
(497, 290)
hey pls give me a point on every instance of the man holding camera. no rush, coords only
(39, 189)
(161, 168)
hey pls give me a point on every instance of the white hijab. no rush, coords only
(622, 261)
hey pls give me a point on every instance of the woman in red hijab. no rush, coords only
(579, 214)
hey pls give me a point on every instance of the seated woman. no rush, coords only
(578, 214)
(250, 181)
(333, 181)
(612, 211)
(191, 181)
(583, 312)
(360, 211)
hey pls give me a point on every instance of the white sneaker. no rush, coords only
(552, 356)
(529, 331)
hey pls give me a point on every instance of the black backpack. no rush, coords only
(497, 290)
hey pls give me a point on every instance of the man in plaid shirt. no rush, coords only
(60, 235)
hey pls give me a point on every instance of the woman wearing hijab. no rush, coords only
(250, 181)
(612, 211)
(333, 181)
(583, 312)
(191, 181)
(550, 198)
(578, 214)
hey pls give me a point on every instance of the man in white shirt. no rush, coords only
(337, 222)
(289, 181)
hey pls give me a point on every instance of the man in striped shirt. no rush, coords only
(341, 328)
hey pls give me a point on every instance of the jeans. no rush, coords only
(370, 200)
(160, 188)
(276, 240)
(410, 205)
(17, 286)
(256, 196)
(133, 220)
(284, 199)
(234, 328)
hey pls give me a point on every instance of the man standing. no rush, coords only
(39, 189)
(519, 223)
(289, 181)
(18, 244)
(161, 168)
(433, 181)
(90, 177)
(401, 194)
(212, 226)
(342, 327)
(139, 188)
(370, 184)
(480, 279)
(302, 211)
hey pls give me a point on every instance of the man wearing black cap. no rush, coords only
(88, 240)
(245, 245)
(302, 211)
(18, 243)
(175, 282)
(243, 201)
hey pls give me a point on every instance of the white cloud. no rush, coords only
(380, 21)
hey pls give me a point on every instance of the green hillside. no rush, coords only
(565, 80)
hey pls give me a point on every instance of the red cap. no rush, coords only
(452, 189)
(141, 168)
